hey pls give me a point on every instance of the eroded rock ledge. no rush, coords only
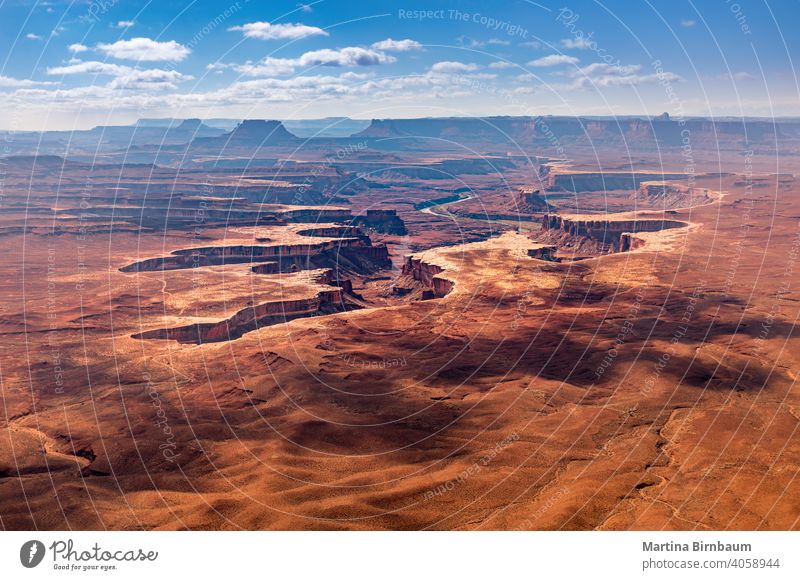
(466, 268)
(427, 274)
(339, 298)
(355, 254)
(616, 233)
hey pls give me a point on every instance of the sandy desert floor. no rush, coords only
(654, 388)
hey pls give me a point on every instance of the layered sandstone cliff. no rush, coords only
(428, 274)
(672, 195)
(253, 317)
(609, 234)
(384, 221)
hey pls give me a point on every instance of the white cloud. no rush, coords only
(267, 31)
(8, 82)
(688, 23)
(553, 60)
(603, 75)
(448, 66)
(604, 68)
(498, 42)
(531, 44)
(77, 47)
(469, 42)
(267, 67)
(125, 23)
(502, 64)
(348, 56)
(148, 79)
(305, 7)
(145, 49)
(32, 36)
(581, 42)
(125, 77)
(89, 67)
(397, 45)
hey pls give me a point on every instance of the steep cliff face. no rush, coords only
(529, 200)
(349, 255)
(316, 215)
(384, 221)
(332, 232)
(237, 254)
(599, 181)
(629, 242)
(266, 268)
(251, 318)
(427, 274)
(608, 235)
(664, 194)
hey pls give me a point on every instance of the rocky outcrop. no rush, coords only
(529, 200)
(384, 221)
(607, 234)
(544, 252)
(251, 318)
(332, 232)
(629, 242)
(427, 274)
(266, 268)
(316, 215)
(665, 194)
(599, 181)
(350, 254)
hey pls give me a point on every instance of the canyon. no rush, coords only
(254, 330)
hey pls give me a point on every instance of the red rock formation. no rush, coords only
(546, 253)
(316, 215)
(671, 195)
(215, 255)
(529, 200)
(607, 232)
(629, 241)
(427, 274)
(384, 221)
(600, 181)
(266, 268)
(252, 317)
(332, 232)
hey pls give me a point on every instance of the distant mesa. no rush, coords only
(260, 131)
(494, 129)
(649, 132)
(251, 133)
(190, 125)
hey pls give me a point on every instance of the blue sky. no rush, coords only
(78, 64)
